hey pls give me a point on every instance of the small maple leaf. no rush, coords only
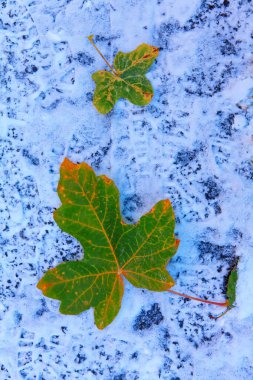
(126, 79)
(140, 252)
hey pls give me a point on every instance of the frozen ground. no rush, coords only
(193, 144)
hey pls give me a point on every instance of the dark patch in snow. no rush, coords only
(147, 318)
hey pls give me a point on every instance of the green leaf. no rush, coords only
(139, 252)
(126, 79)
(231, 286)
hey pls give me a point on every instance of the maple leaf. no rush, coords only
(126, 79)
(140, 252)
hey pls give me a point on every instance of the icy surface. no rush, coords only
(192, 144)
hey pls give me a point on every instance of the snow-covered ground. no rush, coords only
(192, 144)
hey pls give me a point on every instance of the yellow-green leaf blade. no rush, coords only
(80, 285)
(136, 62)
(152, 245)
(106, 92)
(90, 212)
(129, 82)
(231, 286)
(89, 205)
(107, 309)
(137, 89)
(157, 280)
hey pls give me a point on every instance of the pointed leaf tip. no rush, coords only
(67, 164)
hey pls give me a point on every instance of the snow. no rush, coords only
(192, 144)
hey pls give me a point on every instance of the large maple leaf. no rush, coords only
(139, 252)
(126, 79)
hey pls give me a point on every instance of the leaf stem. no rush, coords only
(90, 38)
(220, 315)
(223, 304)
